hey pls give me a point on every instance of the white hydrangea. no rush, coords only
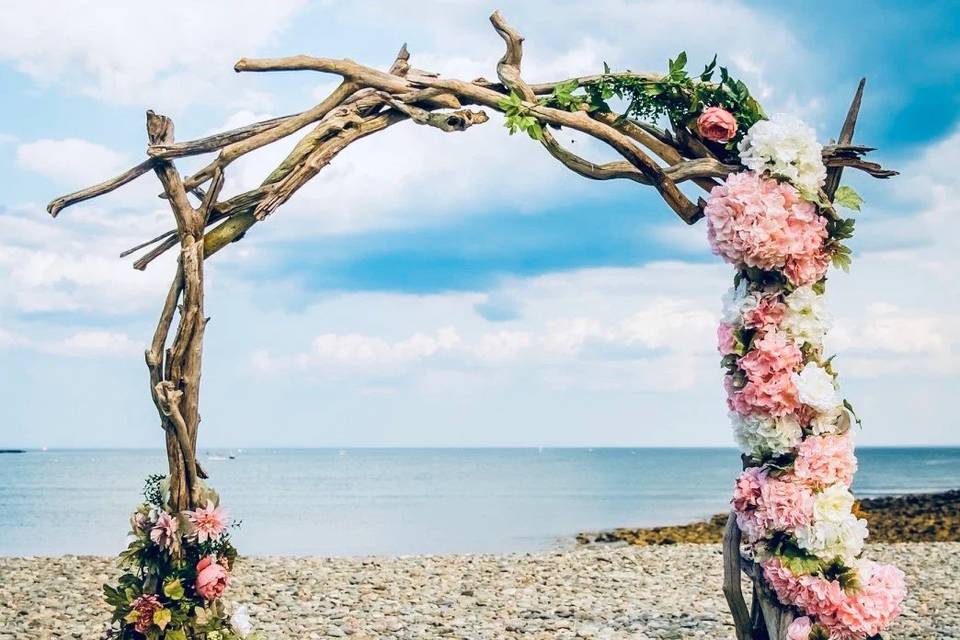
(827, 422)
(815, 388)
(760, 435)
(787, 148)
(736, 301)
(830, 539)
(833, 504)
(806, 318)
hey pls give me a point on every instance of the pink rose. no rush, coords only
(212, 579)
(799, 629)
(717, 124)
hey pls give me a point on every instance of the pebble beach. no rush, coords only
(603, 592)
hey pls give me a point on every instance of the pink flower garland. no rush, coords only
(794, 503)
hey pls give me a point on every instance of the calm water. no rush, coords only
(406, 501)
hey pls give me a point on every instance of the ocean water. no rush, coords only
(406, 501)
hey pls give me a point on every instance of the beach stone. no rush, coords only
(598, 593)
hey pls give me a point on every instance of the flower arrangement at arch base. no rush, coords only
(178, 567)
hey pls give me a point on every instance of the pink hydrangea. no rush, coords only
(771, 355)
(726, 340)
(767, 314)
(786, 505)
(871, 609)
(776, 396)
(813, 595)
(826, 460)
(847, 616)
(807, 268)
(759, 222)
(747, 493)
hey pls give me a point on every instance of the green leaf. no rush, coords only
(708, 70)
(841, 257)
(173, 589)
(161, 618)
(849, 407)
(175, 634)
(848, 198)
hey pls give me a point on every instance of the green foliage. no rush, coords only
(849, 407)
(797, 560)
(848, 198)
(519, 118)
(153, 490)
(848, 578)
(841, 257)
(677, 95)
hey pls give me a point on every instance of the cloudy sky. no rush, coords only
(434, 289)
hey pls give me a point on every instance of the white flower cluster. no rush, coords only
(738, 300)
(816, 388)
(835, 532)
(787, 148)
(806, 319)
(761, 435)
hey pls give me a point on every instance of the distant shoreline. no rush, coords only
(915, 517)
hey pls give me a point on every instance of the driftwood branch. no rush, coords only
(366, 95)
(732, 590)
(846, 137)
(107, 186)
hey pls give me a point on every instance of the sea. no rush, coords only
(347, 502)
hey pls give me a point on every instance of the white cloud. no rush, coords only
(653, 328)
(133, 54)
(71, 160)
(94, 344)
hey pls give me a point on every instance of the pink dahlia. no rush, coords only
(762, 223)
(212, 579)
(776, 396)
(209, 523)
(769, 356)
(164, 532)
(786, 505)
(825, 460)
(145, 606)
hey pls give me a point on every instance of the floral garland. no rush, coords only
(793, 502)
(178, 568)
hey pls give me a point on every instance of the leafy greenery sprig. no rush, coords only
(676, 96)
(840, 229)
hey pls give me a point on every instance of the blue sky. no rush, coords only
(453, 289)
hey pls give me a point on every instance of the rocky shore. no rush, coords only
(933, 517)
(606, 592)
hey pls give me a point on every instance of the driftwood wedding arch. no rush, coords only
(367, 101)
